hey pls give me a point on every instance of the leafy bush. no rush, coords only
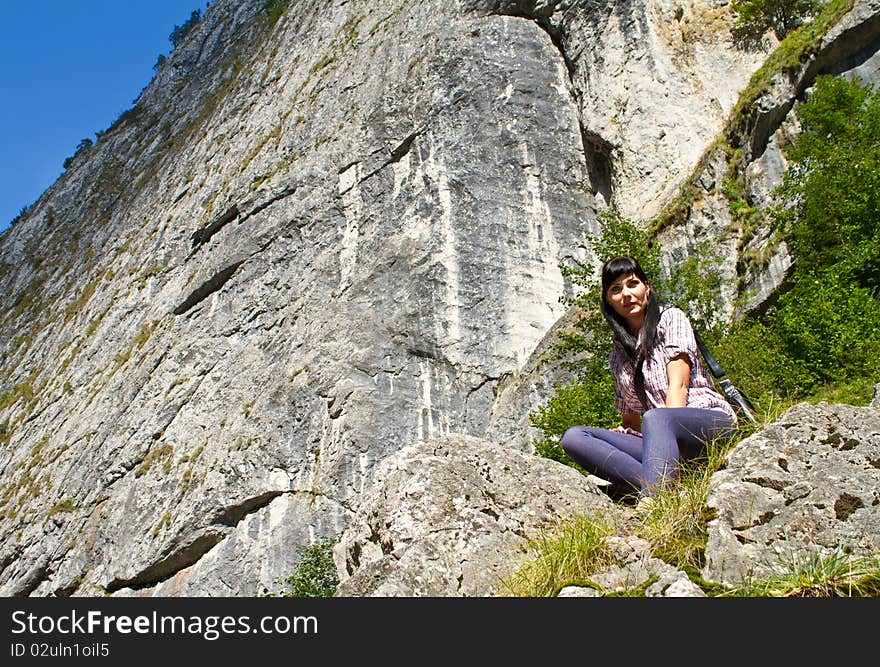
(315, 573)
(82, 146)
(755, 17)
(834, 179)
(585, 401)
(828, 319)
(758, 364)
(273, 10)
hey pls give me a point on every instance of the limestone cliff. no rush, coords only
(311, 242)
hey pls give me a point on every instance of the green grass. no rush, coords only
(567, 554)
(676, 524)
(66, 505)
(816, 575)
(675, 527)
(163, 455)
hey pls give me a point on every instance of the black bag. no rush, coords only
(740, 402)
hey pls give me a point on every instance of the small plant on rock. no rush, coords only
(315, 573)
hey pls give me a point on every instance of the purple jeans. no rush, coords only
(651, 460)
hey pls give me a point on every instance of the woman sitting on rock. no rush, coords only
(668, 404)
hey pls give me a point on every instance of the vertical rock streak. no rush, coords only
(530, 309)
(446, 299)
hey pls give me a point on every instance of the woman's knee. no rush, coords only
(654, 418)
(572, 435)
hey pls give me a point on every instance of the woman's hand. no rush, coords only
(631, 422)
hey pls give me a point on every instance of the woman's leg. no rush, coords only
(671, 434)
(610, 455)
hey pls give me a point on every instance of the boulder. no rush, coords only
(806, 486)
(451, 517)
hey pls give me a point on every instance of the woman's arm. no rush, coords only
(678, 372)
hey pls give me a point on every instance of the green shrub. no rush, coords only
(586, 401)
(834, 179)
(828, 318)
(758, 364)
(81, 147)
(755, 17)
(274, 10)
(315, 574)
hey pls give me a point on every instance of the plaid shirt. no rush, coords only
(675, 336)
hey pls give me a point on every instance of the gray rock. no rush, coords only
(452, 517)
(579, 592)
(337, 237)
(807, 485)
(654, 83)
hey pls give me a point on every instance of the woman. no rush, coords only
(668, 404)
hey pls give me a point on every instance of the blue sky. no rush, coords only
(68, 68)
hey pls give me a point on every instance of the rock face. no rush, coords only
(640, 70)
(451, 517)
(753, 265)
(808, 484)
(336, 245)
(312, 242)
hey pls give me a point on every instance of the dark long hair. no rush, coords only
(638, 349)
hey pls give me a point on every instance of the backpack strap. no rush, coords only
(711, 362)
(735, 397)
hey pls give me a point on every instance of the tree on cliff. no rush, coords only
(181, 31)
(755, 17)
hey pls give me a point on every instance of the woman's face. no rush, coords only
(628, 296)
